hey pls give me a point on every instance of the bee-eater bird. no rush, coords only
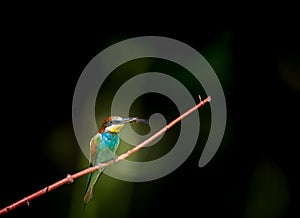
(103, 148)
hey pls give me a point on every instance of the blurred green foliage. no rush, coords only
(252, 174)
(269, 194)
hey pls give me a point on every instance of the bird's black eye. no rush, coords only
(108, 123)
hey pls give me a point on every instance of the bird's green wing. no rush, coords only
(95, 141)
(94, 176)
(99, 153)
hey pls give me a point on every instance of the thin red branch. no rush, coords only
(70, 178)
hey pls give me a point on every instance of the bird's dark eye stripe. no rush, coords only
(113, 122)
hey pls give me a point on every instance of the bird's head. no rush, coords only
(114, 123)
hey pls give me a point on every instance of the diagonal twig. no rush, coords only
(70, 178)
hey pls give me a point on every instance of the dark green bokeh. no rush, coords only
(252, 174)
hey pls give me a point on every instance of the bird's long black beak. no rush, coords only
(128, 120)
(133, 119)
(142, 121)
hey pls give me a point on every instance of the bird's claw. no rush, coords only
(115, 158)
(101, 167)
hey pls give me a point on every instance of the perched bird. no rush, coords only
(103, 148)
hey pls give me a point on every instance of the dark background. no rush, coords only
(253, 173)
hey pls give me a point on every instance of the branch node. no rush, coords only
(27, 201)
(199, 98)
(70, 179)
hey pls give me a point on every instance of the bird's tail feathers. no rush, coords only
(92, 179)
(88, 196)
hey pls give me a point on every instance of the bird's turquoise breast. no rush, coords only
(110, 140)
